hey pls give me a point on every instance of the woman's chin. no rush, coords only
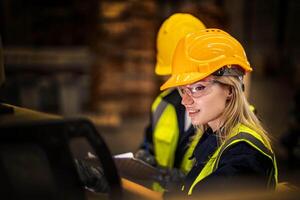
(196, 122)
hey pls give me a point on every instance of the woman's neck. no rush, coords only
(215, 124)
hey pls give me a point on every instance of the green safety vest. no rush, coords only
(240, 133)
(165, 135)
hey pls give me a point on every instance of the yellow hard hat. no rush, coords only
(170, 32)
(202, 53)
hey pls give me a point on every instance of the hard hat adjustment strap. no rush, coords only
(229, 71)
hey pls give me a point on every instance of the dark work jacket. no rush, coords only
(240, 166)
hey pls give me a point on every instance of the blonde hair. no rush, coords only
(237, 110)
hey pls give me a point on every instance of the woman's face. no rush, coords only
(205, 101)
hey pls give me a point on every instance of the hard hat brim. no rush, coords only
(183, 79)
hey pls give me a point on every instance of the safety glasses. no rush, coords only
(196, 90)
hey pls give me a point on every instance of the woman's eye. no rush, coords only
(199, 88)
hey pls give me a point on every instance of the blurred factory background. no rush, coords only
(96, 59)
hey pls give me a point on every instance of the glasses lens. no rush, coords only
(197, 90)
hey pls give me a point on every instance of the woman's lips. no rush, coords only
(193, 112)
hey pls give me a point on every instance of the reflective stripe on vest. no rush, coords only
(240, 133)
(157, 113)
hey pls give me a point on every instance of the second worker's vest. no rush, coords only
(166, 130)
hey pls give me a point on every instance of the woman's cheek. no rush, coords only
(209, 111)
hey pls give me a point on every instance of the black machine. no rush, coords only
(36, 161)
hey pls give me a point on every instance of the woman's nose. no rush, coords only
(187, 99)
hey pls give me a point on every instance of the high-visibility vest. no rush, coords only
(166, 130)
(240, 133)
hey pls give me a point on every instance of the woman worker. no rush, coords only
(234, 150)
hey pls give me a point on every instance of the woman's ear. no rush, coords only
(229, 94)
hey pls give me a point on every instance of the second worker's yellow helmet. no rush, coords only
(171, 31)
